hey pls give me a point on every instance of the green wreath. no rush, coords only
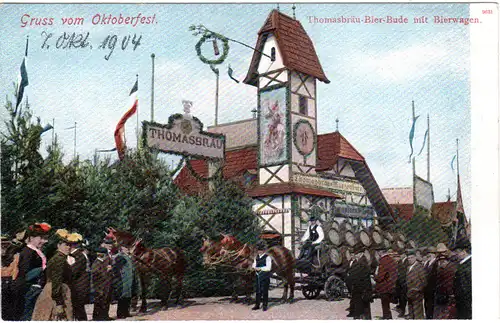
(225, 50)
(198, 177)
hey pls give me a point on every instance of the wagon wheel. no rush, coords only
(310, 292)
(334, 288)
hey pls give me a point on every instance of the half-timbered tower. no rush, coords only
(285, 69)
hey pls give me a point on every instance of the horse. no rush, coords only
(166, 263)
(239, 272)
(283, 262)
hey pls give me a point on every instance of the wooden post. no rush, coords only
(153, 87)
(74, 148)
(216, 97)
(428, 150)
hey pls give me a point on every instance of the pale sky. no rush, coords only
(375, 70)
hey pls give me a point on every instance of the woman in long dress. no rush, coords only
(54, 304)
(28, 274)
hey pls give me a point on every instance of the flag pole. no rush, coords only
(216, 97)
(74, 144)
(413, 159)
(27, 41)
(137, 112)
(53, 126)
(428, 149)
(153, 88)
(458, 163)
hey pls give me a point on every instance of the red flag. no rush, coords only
(120, 127)
(460, 204)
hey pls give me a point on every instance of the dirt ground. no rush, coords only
(220, 308)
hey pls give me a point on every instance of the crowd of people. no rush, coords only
(40, 289)
(431, 283)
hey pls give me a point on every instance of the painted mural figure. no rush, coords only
(274, 144)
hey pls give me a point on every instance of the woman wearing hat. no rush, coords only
(55, 301)
(262, 265)
(30, 279)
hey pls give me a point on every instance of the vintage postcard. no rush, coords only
(256, 161)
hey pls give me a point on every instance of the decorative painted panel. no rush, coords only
(273, 133)
(304, 137)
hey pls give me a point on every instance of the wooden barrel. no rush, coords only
(335, 237)
(346, 254)
(365, 238)
(346, 226)
(368, 257)
(377, 228)
(326, 226)
(401, 237)
(350, 238)
(389, 236)
(335, 256)
(412, 244)
(377, 237)
(335, 225)
(400, 244)
(387, 244)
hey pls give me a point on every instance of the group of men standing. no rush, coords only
(26, 274)
(433, 283)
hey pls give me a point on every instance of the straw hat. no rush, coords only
(441, 248)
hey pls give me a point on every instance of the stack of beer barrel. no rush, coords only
(340, 237)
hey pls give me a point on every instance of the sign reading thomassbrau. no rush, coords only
(184, 135)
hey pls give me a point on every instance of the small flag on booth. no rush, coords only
(120, 127)
(412, 135)
(23, 80)
(230, 73)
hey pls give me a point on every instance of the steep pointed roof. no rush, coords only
(295, 46)
(333, 145)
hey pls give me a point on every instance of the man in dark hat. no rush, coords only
(430, 286)
(401, 281)
(415, 285)
(262, 265)
(361, 286)
(80, 287)
(445, 274)
(101, 279)
(385, 278)
(313, 237)
(348, 281)
(29, 279)
(463, 281)
(124, 273)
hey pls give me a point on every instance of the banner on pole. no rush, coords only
(424, 194)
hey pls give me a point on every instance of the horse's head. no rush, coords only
(211, 251)
(205, 244)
